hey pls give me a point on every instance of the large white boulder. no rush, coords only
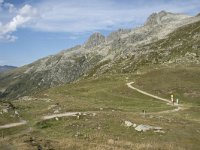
(128, 123)
(144, 128)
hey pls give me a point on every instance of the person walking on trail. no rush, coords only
(144, 113)
(172, 98)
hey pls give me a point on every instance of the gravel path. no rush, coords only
(10, 125)
(67, 114)
(145, 93)
(156, 97)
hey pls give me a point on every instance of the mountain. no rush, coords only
(165, 38)
(94, 40)
(6, 68)
(163, 17)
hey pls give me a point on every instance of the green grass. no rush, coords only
(109, 92)
(183, 82)
(119, 103)
(8, 117)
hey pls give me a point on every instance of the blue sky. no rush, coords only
(32, 29)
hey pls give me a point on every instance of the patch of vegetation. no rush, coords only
(178, 80)
(43, 124)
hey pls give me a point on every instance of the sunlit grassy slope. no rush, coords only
(118, 103)
(109, 92)
(181, 81)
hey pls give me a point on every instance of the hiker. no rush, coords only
(172, 98)
(144, 112)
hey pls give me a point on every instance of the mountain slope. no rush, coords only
(6, 68)
(158, 41)
(180, 47)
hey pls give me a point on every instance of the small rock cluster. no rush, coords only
(26, 98)
(129, 124)
(55, 108)
(8, 108)
(5, 107)
(144, 128)
(29, 98)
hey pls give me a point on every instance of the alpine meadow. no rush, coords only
(132, 88)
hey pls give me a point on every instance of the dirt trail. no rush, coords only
(67, 114)
(156, 97)
(168, 111)
(11, 125)
(145, 93)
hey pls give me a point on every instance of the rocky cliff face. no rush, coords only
(165, 38)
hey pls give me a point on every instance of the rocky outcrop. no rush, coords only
(163, 17)
(94, 40)
(145, 128)
(117, 34)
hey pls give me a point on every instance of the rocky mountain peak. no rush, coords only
(94, 40)
(116, 34)
(163, 17)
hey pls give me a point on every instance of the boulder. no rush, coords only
(128, 123)
(134, 125)
(145, 128)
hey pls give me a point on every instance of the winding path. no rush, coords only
(67, 114)
(11, 125)
(156, 97)
(23, 122)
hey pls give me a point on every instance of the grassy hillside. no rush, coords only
(165, 67)
(181, 81)
(112, 102)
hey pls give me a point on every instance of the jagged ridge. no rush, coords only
(122, 51)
